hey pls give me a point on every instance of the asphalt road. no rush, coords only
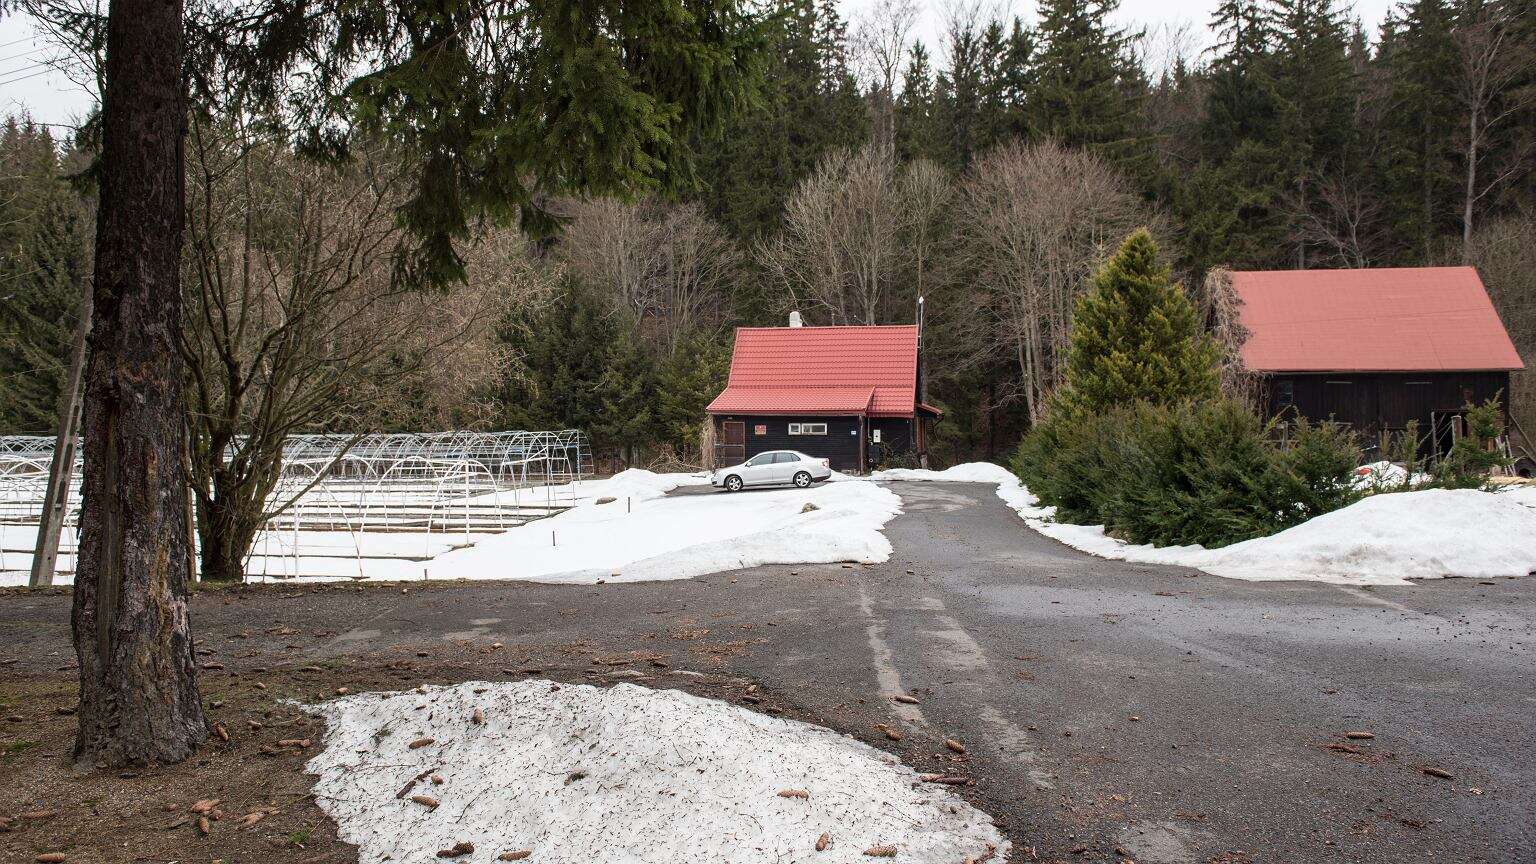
(1109, 710)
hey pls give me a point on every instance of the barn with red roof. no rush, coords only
(851, 395)
(1375, 348)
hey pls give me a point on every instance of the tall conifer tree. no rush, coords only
(626, 392)
(1080, 96)
(1419, 173)
(810, 104)
(44, 265)
(1315, 82)
(918, 135)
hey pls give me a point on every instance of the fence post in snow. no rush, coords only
(295, 542)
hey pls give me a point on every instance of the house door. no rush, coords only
(733, 444)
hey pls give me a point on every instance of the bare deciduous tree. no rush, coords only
(881, 40)
(1494, 62)
(1223, 308)
(928, 189)
(295, 320)
(1033, 223)
(669, 266)
(510, 272)
(858, 235)
(1345, 219)
(1505, 257)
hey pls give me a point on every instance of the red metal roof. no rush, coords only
(822, 370)
(793, 400)
(1407, 319)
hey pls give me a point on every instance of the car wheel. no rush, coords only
(802, 479)
(733, 483)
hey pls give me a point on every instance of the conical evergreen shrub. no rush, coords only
(1136, 338)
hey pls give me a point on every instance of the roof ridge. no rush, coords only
(1299, 271)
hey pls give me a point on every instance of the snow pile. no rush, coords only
(969, 472)
(623, 529)
(577, 774)
(1388, 539)
(685, 536)
(1384, 475)
(1383, 539)
(1380, 540)
(636, 483)
(1520, 493)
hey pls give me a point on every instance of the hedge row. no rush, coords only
(1205, 473)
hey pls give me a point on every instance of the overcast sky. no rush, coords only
(1159, 17)
(28, 85)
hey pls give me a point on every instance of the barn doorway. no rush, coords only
(733, 443)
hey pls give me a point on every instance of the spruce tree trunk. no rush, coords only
(138, 691)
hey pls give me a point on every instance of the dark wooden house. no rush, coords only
(1375, 348)
(846, 394)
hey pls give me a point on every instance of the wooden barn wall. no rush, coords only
(1373, 402)
(840, 445)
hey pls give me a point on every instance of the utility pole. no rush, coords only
(50, 523)
(922, 387)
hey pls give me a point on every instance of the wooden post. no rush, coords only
(194, 568)
(50, 523)
(194, 564)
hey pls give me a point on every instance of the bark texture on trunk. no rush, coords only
(138, 690)
(227, 529)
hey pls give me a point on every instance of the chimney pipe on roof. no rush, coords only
(794, 319)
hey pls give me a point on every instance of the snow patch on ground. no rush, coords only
(968, 472)
(621, 529)
(635, 483)
(1388, 539)
(1385, 539)
(578, 774)
(1384, 475)
(1521, 493)
(685, 536)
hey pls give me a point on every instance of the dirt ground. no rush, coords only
(247, 798)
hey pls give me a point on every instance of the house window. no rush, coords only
(1285, 393)
(807, 428)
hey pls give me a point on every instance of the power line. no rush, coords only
(25, 67)
(25, 77)
(24, 53)
(60, 125)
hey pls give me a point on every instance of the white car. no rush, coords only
(773, 468)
